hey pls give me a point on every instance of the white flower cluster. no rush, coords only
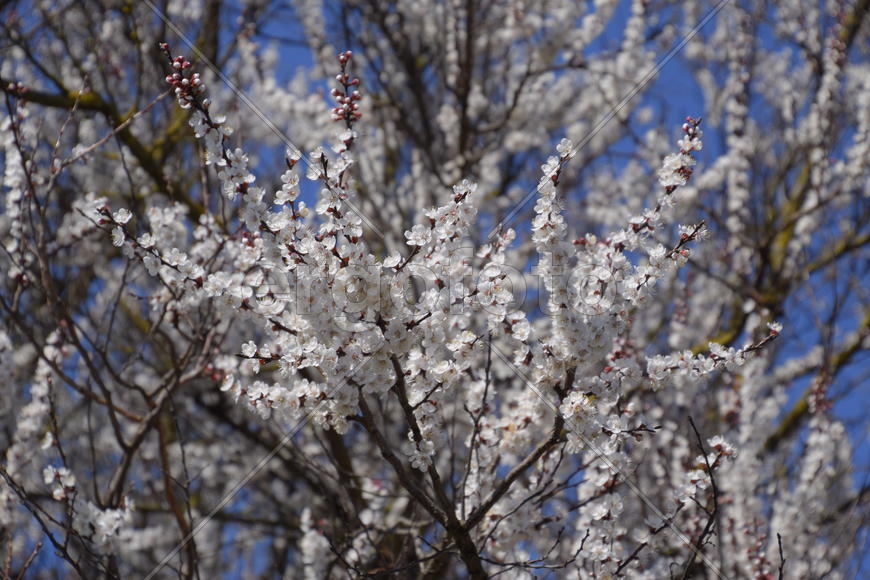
(676, 168)
(660, 368)
(61, 479)
(212, 130)
(698, 479)
(30, 423)
(315, 548)
(14, 182)
(105, 527)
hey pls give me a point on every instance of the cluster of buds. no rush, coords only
(186, 89)
(348, 98)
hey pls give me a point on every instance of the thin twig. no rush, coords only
(781, 557)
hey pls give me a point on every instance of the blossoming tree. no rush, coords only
(492, 305)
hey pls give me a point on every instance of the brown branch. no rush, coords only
(505, 485)
(174, 505)
(711, 514)
(460, 534)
